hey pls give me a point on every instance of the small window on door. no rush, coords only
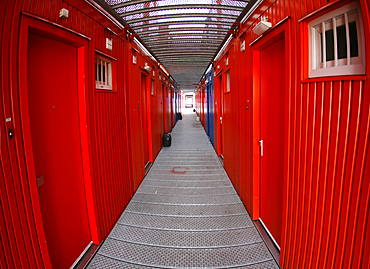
(228, 81)
(152, 89)
(337, 43)
(103, 72)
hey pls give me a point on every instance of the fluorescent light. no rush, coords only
(209, 68)
(223, 47)
(144, 49)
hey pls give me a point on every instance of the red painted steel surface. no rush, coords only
(327, 177)
(106, 134)
(326, 164)
(272, 100)
(53, 106)
(157, 124)
(138, 108)
(144, 114)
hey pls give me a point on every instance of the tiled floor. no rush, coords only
(186, 214)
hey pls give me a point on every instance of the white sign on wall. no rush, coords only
(242, 46)
(109, 44)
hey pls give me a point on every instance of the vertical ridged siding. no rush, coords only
(107, 131)
(325, 226)
(327, 184)
(107, 111)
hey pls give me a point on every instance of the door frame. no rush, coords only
(34, 24)
(147, 95)
(149, 116)
(219, 108)
(208, 104)
(164, 107)
(281, 30)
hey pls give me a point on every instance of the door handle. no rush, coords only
(261, 146)
(221, 119)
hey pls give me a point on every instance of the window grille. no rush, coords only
(337, 43)
(103, 73)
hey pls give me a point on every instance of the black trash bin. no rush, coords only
(166, 139)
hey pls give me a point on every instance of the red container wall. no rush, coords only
(141, 107)
(327, 178)
(226, 109)
(327, 168)
(156, 106)
(106, 130)
(110, 144)
(109, 138)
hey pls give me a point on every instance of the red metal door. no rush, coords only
(222, 116)
(168, 110)
(144, 119)
(56, 146)
(272, 136)
(164, 108)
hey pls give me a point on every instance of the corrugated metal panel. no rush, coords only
(112, 182)
(107, 130)
(18, 230)
(327, 191)
(328, 186)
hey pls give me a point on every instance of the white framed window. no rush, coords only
(337, 43)
(103, 72)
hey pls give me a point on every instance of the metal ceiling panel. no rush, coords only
(137, 26)
(144, 32)
(183, 34)
(189, 16)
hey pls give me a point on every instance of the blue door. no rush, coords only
(210, 107)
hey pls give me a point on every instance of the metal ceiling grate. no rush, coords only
(183, 34)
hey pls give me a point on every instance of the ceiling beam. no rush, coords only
(185, 53)
(171, 7)
(175, 16)
(182, 29)
(135, 27)
(136, 2)
(189, 40)
(184, 46)
(147, 38)
(205, 60)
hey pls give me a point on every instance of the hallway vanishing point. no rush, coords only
(186, 214)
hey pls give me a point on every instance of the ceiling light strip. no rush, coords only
(105, 13)
(180, 22)
(223, 47)
(209, 68)
(144, 49)
(177, 34)
(180, 29)
(173, 7)
(176, 16)
(251, 10)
